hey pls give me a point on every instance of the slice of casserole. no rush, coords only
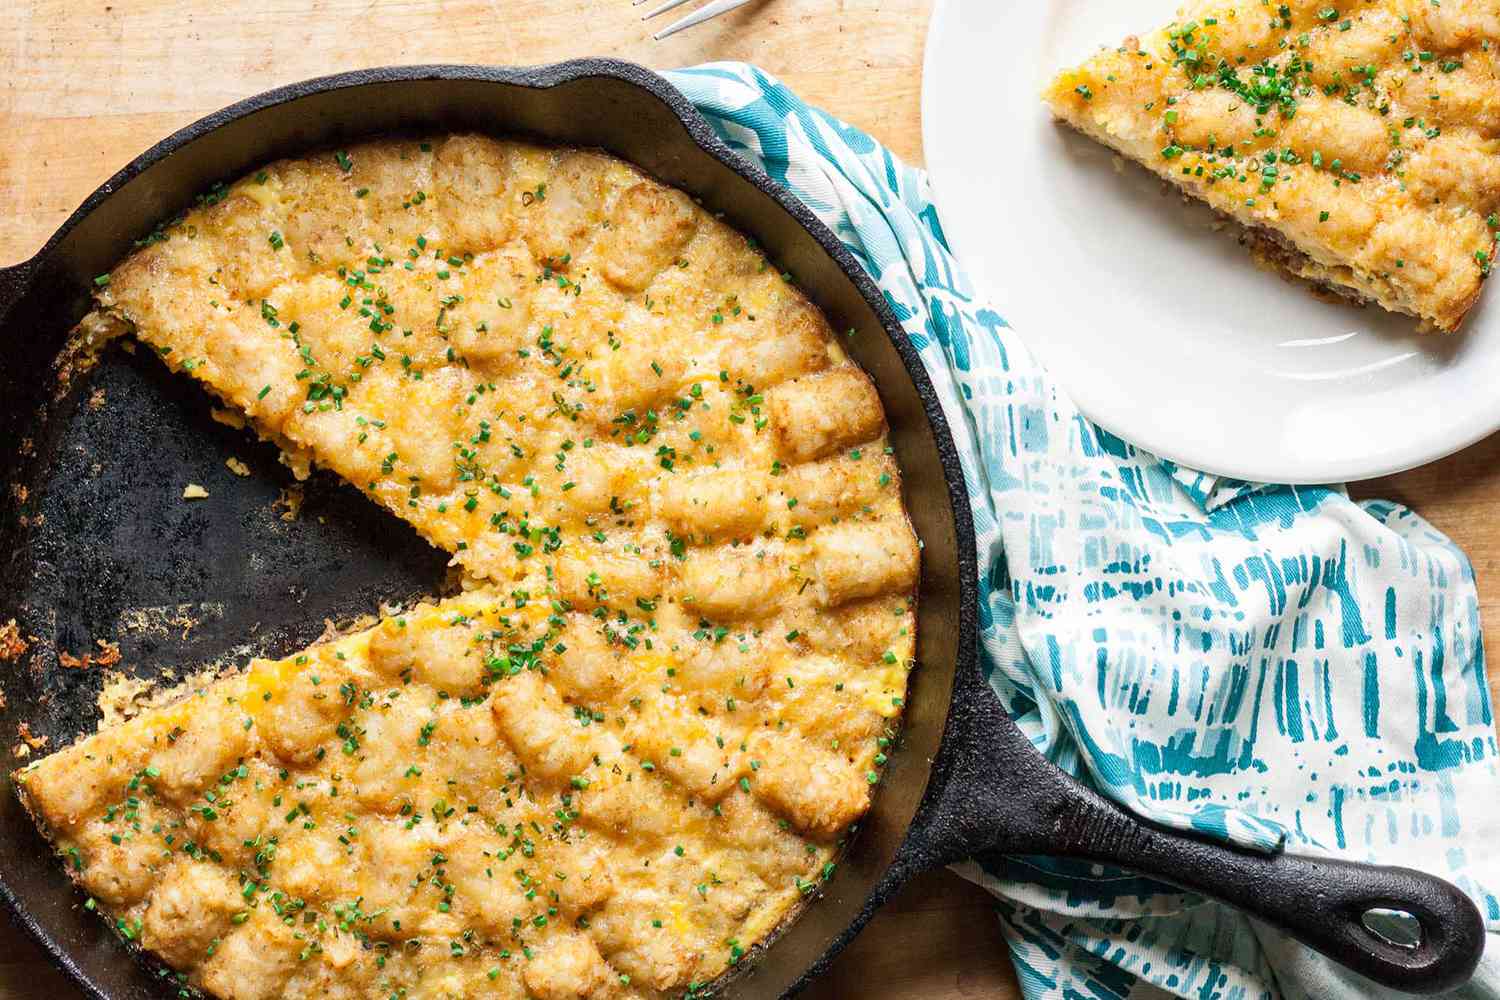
(1355, 140)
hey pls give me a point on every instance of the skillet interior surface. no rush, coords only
(97, 543)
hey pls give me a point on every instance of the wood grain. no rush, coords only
(87, 85)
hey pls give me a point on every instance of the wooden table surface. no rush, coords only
(88, 84)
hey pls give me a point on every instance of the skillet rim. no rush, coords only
(15, 281)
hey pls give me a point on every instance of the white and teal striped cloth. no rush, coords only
(1266, 664)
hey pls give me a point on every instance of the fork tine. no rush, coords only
(698, 16)
(661, 8)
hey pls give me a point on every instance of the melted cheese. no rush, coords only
(627, 753)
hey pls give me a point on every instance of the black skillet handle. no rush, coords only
(996, 793)
(1319, 901)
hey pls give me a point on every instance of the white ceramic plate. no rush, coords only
(1159, 326)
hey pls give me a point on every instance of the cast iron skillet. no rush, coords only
(95, 542)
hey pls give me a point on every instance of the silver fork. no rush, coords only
(704, 13)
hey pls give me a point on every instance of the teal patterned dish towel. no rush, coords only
(1265, 664)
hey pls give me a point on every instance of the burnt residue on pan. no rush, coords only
(117, 554)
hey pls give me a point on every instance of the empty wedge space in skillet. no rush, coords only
(626, 756)
(481, 797)
(1355, 142)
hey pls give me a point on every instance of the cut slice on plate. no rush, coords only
(1355, 141)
